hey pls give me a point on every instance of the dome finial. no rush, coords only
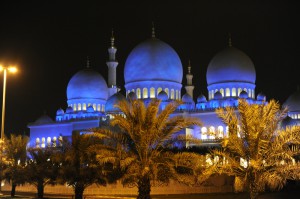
(87, 62)
(153, 30)
(229, 40)
(189, 67)
(112, 38)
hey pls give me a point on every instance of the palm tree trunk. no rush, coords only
(13, 190)
(144, 188)
(79, 189)
(40, 189)
(253, 191)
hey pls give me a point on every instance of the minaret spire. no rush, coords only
(87, 62)
(153, 30)
(229, 40)
(189, 77)
(112, 38)
(112, 64)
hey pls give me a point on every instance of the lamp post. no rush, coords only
(5, 70)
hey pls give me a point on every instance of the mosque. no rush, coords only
(153, 69)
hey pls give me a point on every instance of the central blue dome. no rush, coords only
(230, 65)
(87, 84)
(153, 60)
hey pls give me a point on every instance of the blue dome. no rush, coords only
(293, 102)
(261, 97)
(112, 101)
(69, 110)
(186, 98)
(201, 99)
(131, 96)
(90, 109)
(87, 84)
(163, 96)
(44, 119)
(60, 111)
(218, 95)
(153, 60)
(243, 95)
(230, 65)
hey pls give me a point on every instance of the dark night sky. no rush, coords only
(50, 42)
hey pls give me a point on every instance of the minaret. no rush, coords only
(112, 64)
(189, 77)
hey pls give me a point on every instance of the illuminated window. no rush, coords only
(158, 90)
(212, 94)
(84, 106)
(132, 90)
(227, 93)
(94, 106)
(99, 107)
(239, 91)
(249, 92)
(138, 93)
(103, 108)
(54, 141)
(48, 141)
(43, 142)
(152, 92)
(177, 95)
(222, 92)
(167, 91)
(79, 107)
(172, 93)
(75, 107)
(145, 93)
(220, 132)
(128, 92)
(212, 132)
(233, 91)
(253, 95)
(37, 142)
(203, 133)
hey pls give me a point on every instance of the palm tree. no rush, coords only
(41, 170)
(79, 168)
(139, 142)
(15, 153)
(256, 152)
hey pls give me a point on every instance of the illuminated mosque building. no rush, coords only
(153, 69)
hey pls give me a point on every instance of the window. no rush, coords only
(48, 141)
(99, 107)
(239, 91)
(94, 106)
(167, 91)
(152, 92)
(75, 107)
(233, 91)
(177, 95)
(249, 92)
(220, 132)
(227, 92)
(84, 106)
(138, 93)
(172, 93)
(43, 142)
(222, 92)
(79, 107)
(158, 90)
(204, 133)
(103, 108)
(145, 93)
(37, 142)
(212, 132)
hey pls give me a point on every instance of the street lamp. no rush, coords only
(5, 69)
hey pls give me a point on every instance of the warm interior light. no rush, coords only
(1, 68)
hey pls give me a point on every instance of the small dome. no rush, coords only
(69, 110)
(162, 95)
(87, 84)
(261, 97)
(293, 102)
(44, 119)
(90, 109)
(201, 99)
(243, 95)
(230, 65)
(60, 111)
(186, 98)
(112, 101)
(153, 60)
(218, 95)
(131, 96)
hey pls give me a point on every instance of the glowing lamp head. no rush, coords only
(12, 69)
